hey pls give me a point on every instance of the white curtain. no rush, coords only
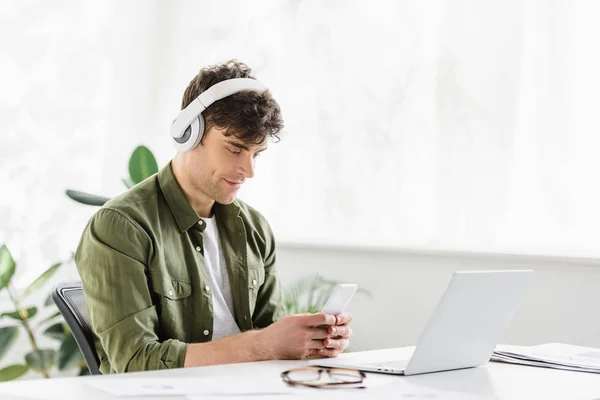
(466, 125)
(77, 94)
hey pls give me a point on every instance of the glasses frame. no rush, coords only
(315, 384)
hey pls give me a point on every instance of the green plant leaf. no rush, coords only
(86, 198)
(142, 164)
(69, 355)
(128, 183)
(50, 318)
(13, 372)
(308, 294)
(312, 309)
(49, 301)
(56, 331)
(29, 312)
(41, 280)
(40, 360)
(7, 266)
(8, 335)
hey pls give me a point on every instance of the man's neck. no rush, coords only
(199, 201)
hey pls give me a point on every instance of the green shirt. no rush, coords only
(141, 264)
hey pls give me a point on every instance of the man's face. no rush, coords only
(221, 164)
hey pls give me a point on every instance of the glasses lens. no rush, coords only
(346, 376)
(304, 375)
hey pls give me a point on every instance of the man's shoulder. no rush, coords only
(136, 204)
(123, 223)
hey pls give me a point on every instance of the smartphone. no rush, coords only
(340, 298)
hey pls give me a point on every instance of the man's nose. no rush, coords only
(247, 167)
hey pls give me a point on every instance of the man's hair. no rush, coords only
(248, 115)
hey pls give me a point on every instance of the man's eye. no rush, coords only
(234, 151)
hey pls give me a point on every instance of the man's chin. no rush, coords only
(226, 200)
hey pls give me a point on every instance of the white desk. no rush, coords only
(493, 381)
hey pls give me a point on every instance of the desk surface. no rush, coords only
(492, 381)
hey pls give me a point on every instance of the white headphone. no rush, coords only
(188, 126)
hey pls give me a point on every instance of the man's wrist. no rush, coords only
(259, 345)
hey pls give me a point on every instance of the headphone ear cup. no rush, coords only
(191, 136)
(200, 133)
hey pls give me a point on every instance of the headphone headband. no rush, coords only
(186, 118)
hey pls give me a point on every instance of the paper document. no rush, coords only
(200, 385)
(551, 355)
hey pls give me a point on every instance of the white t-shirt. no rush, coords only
(223, 321)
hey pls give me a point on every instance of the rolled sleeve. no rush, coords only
(112, 262)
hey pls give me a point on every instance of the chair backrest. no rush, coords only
(71, 303)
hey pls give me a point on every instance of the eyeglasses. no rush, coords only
(334, 378)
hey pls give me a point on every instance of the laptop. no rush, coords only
(463, 331)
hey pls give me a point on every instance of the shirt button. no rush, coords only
(198, 248)
(207, 288)
(206, 332)
(170, 292)
(254, 282)
(200, 222)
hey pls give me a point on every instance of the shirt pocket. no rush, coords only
(171, 288)
(174, 306)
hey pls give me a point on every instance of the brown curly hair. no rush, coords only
(250, 116)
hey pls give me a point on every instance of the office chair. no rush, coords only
(71, 303)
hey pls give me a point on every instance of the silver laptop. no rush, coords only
(463, 331)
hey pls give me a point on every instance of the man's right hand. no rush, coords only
(296, 336)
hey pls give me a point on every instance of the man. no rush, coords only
(179, 273)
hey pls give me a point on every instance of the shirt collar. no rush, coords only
(182, 211)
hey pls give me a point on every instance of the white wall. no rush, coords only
(560, 306)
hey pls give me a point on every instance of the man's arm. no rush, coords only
(292, 337)
(270, 305)
(112, 261)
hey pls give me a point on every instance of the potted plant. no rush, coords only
(142, 164)
(25, 319)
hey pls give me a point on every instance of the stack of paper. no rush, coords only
(551, 355)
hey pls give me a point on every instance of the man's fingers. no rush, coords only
(318, 333)
(316, 345)
(314, 353)
(319, 319)
(343, 319)
(342, 331)
(322, 353)
(329, 353)
(336, 344)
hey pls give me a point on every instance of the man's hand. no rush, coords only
(297, 336)
(338, 340)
